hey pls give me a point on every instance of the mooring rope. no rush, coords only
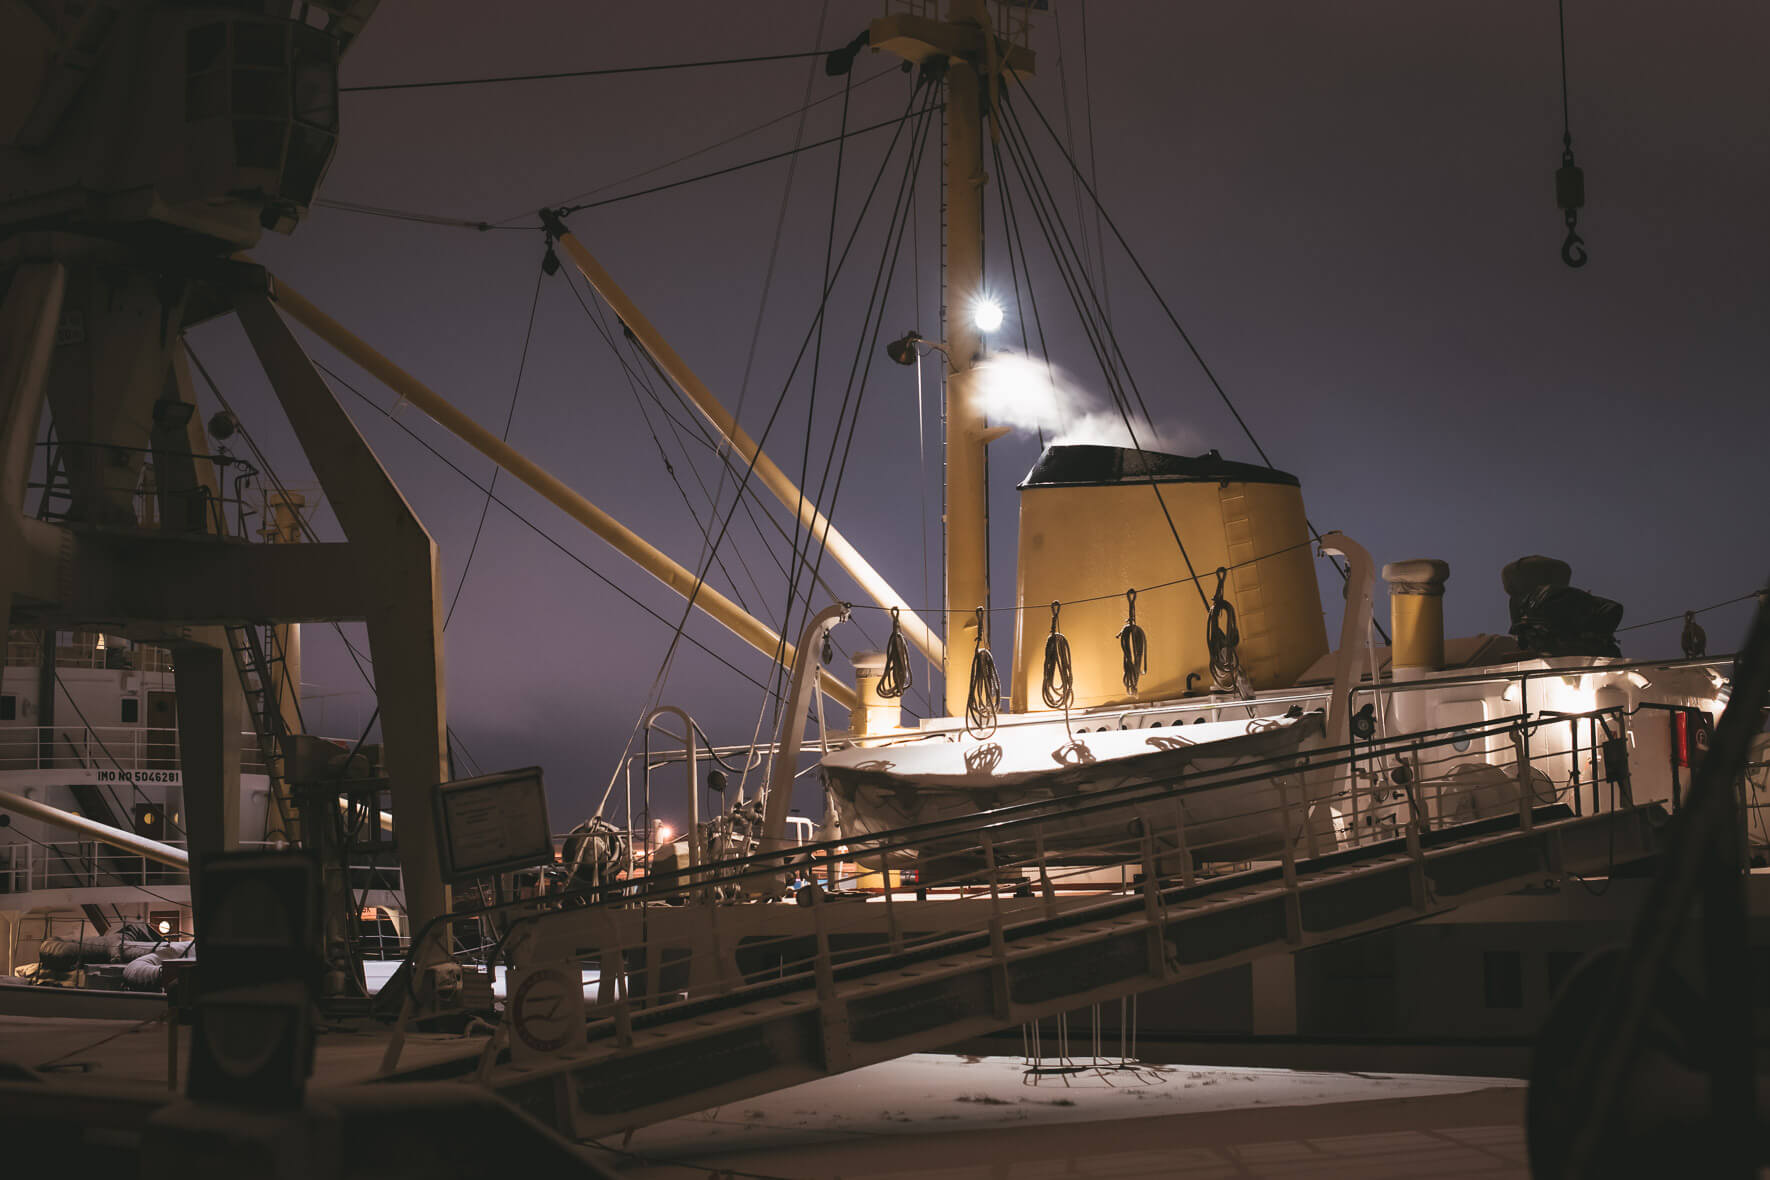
(1059, 688)
(1134, 644)
(981, 705)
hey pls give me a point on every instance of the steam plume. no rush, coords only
(1018, 391)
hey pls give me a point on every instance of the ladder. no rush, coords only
(259, 662)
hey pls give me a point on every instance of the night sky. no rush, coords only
(1350, 207)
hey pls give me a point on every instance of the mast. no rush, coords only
(974, 58)
(967, 456)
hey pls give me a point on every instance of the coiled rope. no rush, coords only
(896, 677)
(1134, 644)
(986, 689)
(1059, 687)
(1222, 637)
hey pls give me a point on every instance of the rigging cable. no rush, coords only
(1100, 331)
(750, 467)
(357, 658)
(1011, 227)
(606, 72)
(774, 246)
(817, 354)
(549, 265)
(697, 425)
(867, 347)
(532, 526)
(801, 110)
(567, 210)
(1701, 610)
(1093, 162)
(1173, 319)
(368, 210)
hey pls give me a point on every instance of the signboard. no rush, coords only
(546, 1011)
(493, 824)
(123, 778)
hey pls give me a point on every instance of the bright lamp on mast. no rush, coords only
(986, 314)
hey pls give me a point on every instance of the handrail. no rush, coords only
(1008, 821)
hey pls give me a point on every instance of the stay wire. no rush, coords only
(1174, 320)
(867, 348)
(751, 500)
(567, 210)
(754, 129)
(357, 658)
(527, 216)
(528, 335)
(606, 72)
(1679, 617)
(817, 353)
(1011, 226)
(1028, 173)
(1246, 562)
(640, 385)
(768, 274)
(531, 525)
(750, 467)
(264, 465)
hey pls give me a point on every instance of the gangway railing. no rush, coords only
(1036, 908)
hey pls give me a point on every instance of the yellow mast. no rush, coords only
(974, 59)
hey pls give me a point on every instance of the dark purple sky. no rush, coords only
(1349, 206)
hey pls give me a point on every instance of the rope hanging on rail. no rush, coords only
(1222, 639)
(986, 688)
(897, 676)
(1059, 688)
(1134, 644)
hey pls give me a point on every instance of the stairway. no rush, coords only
(639, 1066)
(259, 664)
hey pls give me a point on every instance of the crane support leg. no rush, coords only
(28, 317)
(405, 606)
(210, 718)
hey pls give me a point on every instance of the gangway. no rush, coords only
(689, 1016)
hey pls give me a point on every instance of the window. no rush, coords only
(8, 708)
(1502, 979)
(131, 710)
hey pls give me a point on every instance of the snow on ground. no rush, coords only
(855, 1125)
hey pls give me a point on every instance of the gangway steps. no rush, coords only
(652, 1064)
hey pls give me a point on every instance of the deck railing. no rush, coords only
(93, 864)
(104, 747)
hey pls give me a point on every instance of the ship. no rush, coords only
(1186, 817)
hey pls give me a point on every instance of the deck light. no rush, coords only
(907, 349)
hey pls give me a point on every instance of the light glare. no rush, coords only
(987, 315)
